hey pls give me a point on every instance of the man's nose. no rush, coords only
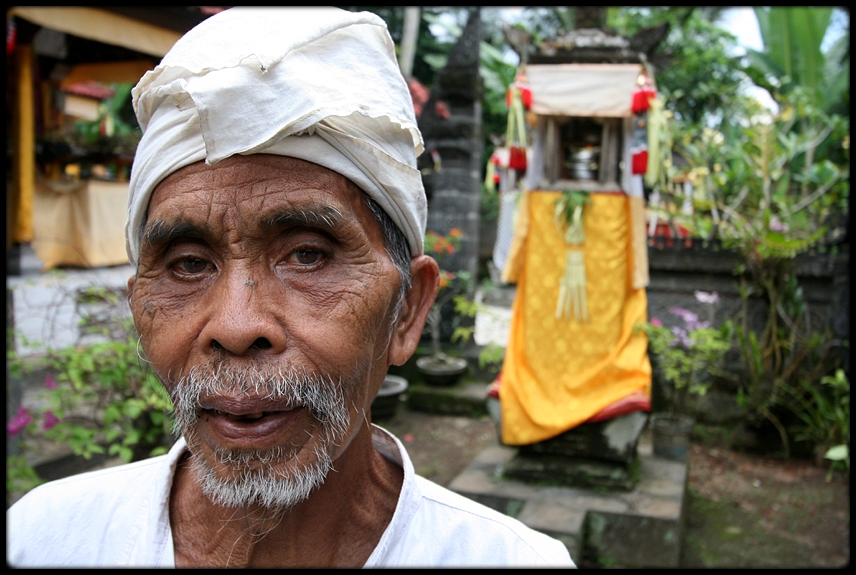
(242, 320)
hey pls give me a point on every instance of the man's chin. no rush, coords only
(262, 479)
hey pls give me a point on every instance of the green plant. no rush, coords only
(451, 284)
(783, 355)
(775, 185)
(20, 476)
(793, 54)
(824, 417)
(687, 354)
(98, 399)
(492, 354)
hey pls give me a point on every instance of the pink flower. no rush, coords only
(777, 225)
(408, 437)
(50, 420)
(20, 421)
(656, 322)
(50, 382)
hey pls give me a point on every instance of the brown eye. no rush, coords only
(307, 257)
(193, 266)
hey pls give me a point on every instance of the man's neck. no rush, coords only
(339, 525)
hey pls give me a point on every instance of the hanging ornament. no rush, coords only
(642, 94)
(521, 85)
(639, 145)
(639, 162)
(515, 136)
(517, 158)
(656, 125)
(492, 173)
(572, 302)
(495, 163)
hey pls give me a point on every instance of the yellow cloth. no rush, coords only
(557, 373)
(80, 224)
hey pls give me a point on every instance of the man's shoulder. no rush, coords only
(478, 535)
(64, 521)
(98, 486)
(436, 527)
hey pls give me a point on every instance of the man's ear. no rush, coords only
(130, 291)
(424, 283)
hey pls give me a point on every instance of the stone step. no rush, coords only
(639, 528)
(642, 527)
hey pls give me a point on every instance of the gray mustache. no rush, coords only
(321, 394)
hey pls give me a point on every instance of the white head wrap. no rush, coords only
(319, 84)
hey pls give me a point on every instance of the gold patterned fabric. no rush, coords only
(560, 371)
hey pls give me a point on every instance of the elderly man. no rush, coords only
(276, 220)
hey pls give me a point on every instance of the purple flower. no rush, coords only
(20, 421)
(682, 338)
(50, 420)
(690, 319)
(685, 314)
(50, 382)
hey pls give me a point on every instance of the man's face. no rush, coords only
(263, 300)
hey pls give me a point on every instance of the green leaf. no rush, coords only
(126, 453)
(837, 453)
(134, 408)
(112, 433)
(112, 414)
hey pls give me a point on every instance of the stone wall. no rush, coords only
(676, 274)
(453, 189)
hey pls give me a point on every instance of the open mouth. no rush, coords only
(252, 428)
(245, 416)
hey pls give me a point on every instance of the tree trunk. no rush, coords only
(409, 37)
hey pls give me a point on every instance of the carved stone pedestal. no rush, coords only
(600, 455)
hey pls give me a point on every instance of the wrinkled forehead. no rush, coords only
(258, 193)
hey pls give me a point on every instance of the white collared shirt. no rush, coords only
(119, 517)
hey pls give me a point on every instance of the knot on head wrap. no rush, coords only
(319, 84)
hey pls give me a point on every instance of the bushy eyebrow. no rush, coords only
(326, 217)
(161, 233)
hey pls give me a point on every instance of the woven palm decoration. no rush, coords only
(572, 304)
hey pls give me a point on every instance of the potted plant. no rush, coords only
(389, 397)
(685, 355)
(440, 368)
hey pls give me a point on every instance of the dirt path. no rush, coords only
(749, 511)
(743, 510)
